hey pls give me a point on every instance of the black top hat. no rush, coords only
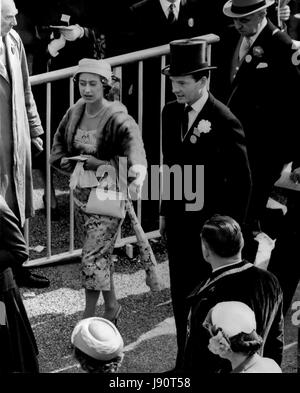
(187, 57)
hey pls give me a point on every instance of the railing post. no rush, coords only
(117, 63)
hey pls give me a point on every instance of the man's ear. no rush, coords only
(203, 81)
(205, 249)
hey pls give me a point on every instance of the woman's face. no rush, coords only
(90, 87)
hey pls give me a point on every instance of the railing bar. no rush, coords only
(162, 103)
(116, 61)
(140, 119)
(48, 169)
(67, 257)
(71, 195)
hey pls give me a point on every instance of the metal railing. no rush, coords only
(117, 64)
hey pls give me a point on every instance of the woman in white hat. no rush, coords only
(98, 345)
(232, 327)
(99, 131)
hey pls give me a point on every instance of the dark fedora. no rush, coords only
(187, 57)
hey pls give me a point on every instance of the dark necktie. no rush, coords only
(185, 121)
(171, 15)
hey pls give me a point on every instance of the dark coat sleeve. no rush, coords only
(59, 147)
(126, 138)
(273, 347)
(238, 175)
(13, 250)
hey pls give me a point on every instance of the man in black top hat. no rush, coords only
(203, 145)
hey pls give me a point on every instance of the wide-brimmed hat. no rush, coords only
(98, 338)
(187, 57)
(241, 8)
(99, 67)
(233, 317)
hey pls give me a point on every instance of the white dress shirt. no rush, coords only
(165, 4)
(197, 107)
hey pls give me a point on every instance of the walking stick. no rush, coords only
(147, 256)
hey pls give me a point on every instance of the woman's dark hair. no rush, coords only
(223, 235)
(92, 365)
(246, 343)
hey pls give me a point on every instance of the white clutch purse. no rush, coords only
(106, 202)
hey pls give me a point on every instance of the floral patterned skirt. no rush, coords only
(98, 234)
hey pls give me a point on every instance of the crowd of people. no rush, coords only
(232, 121)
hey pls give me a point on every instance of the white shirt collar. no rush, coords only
(199, 104)
(197, 107)
(222, 267)
(165, 4)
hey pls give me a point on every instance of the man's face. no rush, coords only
(186, 89)
(8, 16)
(248, 26)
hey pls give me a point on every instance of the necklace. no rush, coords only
(89, 116)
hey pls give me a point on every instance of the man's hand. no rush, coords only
(38, 143)
(162, 227)
(55, 45)
(73, 33)
(295, 175)
(284, 13)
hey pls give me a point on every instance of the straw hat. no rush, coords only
(240, 8)
(233, 318)
(98, 338)
(93, 66)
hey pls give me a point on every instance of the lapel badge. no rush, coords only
(193, 139)
(248, 58)
(191, 22)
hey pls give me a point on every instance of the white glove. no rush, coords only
(55, 45)
(139, 172)
(284, 13)
(74, 33)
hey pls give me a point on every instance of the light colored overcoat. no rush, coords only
(19, 120)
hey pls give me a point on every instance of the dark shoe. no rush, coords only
(31, 280)
(115, 316)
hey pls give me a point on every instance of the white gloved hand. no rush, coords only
(55, 45)
(284, 13)
(74, 33)
(139, 173)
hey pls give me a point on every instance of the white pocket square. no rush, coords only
(262, 65)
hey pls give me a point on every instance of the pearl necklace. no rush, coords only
(89, 116)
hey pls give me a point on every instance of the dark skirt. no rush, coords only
(18, 353)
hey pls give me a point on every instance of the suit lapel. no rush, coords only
(202, 115)
(246, 67)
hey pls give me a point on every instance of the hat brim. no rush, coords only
(227, 9)
(167, 71)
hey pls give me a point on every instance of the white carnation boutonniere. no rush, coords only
(204, 126)
(258, 51)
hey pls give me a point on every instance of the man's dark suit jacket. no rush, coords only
(262, 96)
(222, 151)
(151, 28)
(242, 282)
